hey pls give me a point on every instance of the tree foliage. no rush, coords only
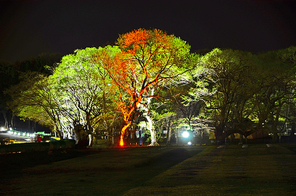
(244, 92)
(147, 59)
(154, 75)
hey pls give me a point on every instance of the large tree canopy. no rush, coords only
(82, 86)
(244, 92)
(95, 88)
(147, 59)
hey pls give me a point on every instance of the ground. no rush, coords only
(196, 170)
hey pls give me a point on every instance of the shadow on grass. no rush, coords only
(109, 171)
(11, 165)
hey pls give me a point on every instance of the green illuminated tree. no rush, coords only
(71, 100)
(277, 83)
(10, 73)
(288, 56)
(33, 99)
(81, 85)
(245, 93)
(225, 86)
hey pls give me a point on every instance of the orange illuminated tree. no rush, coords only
(146, 59)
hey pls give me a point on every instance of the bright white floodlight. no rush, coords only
(185, 134)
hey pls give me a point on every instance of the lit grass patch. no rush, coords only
(111, 171)
(256, 170)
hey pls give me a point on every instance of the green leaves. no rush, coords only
(89, 84)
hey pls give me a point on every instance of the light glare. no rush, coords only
(185, 134)
(121, 143)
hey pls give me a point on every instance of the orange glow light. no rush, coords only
(121, 143)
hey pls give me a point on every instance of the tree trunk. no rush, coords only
(109, 137)
(150, 125)
(292, 136)
(153, 138)
(82, 136)
(29, 125)
(275, 137)
(219, 135)
(231, 138)
(177, 137)
(241, 138)
(169, 135)
(150, 121)
(12, 121)
(56, 130)
(59, 134)
(89, 129)
(152, 131)
(112, 137)
(5, 119)
(90, 139)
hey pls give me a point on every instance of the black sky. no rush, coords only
(32, 27)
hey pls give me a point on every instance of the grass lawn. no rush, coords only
(256, 170)
(199, 170)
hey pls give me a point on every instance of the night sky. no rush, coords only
(31, 27)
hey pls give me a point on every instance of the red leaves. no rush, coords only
(132, 42)
(138, 39)
(137, 68)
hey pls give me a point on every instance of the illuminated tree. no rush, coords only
(246, 93)
(173, 108)
(288, 56)
(109, 120)
(165, 115)
(71, 100)
(9, 75)
(277, 84)
(225, 85)
(147, 59)
(81, 85)
(33, 99)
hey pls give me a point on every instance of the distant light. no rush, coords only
(189, 143)
(185, 134)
